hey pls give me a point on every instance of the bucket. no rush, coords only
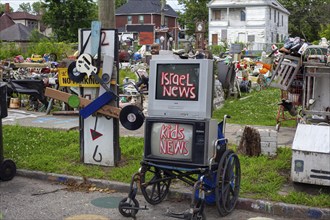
(14, 103)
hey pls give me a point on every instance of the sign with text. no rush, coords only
(64, 80)
(171, 140)
(177, 82)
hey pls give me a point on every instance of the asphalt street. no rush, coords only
(25, 198)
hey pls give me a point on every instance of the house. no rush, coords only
(11, 24)
(256, 23)
(150, 20)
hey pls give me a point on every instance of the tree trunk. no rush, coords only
(250, 142)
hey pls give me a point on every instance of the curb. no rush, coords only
(260, 206)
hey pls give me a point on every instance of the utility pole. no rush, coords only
(162, 13)
(107, 17)
(107, 13)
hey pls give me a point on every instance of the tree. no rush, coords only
(25, 7)
(307, 17)
(195, 10)
(119, 3)
(325, 31)
(36, 7)
(65, 17)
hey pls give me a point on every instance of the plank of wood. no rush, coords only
(106, 110)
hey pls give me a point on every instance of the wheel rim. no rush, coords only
(154, 185)
(231, 178)
(125, 206)
(218, 188)
(7, 170)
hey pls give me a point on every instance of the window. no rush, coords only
(166, 21)
(129, 19)
(141, 19)
(243, 15)
(278, 18)
(272, 37)
(223, 35)
(282, 20)
(32, 24)
(274, 16)
(270, 14)
(216, 15)
(251, 38)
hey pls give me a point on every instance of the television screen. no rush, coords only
(182, 142)
(181, 88)
(171, 140)
(177, 82)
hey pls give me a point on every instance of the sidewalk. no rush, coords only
(285, 137)
(68, 122)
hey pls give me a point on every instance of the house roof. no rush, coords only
(16, 32)
(5, 21)
(244, 3)
(19, 15)
(144, 7)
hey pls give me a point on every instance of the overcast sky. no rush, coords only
(15, 3)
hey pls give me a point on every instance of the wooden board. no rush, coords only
(285, 72)
(106, 110)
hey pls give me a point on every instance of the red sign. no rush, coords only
(172, 140)
(177, 85)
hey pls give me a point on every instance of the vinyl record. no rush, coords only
(73, 73)
(131, 117)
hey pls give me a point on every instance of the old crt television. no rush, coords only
(179, 142)
(181, 88)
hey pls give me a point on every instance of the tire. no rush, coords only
(218, 188)
(231, 180)
(125, 205)
(7, 170)
(154, 184)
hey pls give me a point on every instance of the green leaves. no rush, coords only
(65, 18)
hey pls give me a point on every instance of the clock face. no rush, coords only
(199, 26)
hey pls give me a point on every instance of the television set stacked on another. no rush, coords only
(179, 130)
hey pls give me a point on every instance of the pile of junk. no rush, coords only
(303, 75)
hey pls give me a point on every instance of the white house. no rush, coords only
(257, 23)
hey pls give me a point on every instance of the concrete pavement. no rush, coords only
(67, 122)
(285, 137)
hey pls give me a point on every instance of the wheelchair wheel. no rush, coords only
(231, 178)
(7, 170)
(154, 184)
(219, 178)
(128, 207)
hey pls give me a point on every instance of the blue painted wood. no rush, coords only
(96, 104)
(95, 37)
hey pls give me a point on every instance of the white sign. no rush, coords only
(98, 141)
(98, 132)
(107, 42)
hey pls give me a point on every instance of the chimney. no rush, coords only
(7, 8)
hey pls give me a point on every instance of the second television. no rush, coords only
(181, 88)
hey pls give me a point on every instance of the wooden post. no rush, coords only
(107, 13)
(107, 16)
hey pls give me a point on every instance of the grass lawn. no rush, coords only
(262, 177)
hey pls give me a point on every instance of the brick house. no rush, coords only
(144, 19)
